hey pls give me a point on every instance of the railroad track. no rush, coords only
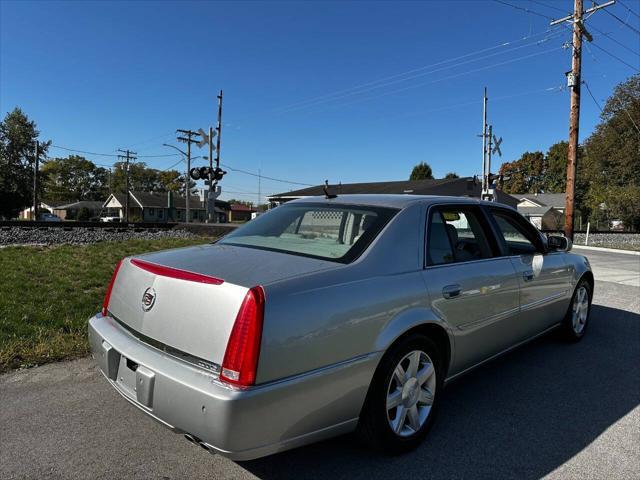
(108, 226)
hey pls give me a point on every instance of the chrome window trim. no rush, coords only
(488, 234)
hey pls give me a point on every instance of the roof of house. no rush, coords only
(238, 207)
(556, 200)
(160, 200)
(389, 200)
(90, 204)
(466, 187)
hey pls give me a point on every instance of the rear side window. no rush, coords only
(456, 235)
(518, 239)
(330, 232)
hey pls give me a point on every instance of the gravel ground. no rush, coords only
(52, 236)
(630, 241)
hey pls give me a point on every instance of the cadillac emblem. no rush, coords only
(148, 299)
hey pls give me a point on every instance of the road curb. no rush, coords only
(611, 250)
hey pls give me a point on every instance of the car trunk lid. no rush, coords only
(188, 299)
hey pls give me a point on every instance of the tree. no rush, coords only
(524, 175)
(18, 137)
(421, 171)
(452, 175)
(613, 156)
(74, 178)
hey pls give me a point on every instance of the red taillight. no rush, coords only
(243, 349)
(176, 273)
(107, 296)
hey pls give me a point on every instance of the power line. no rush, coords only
(293, 106)
(616, 57)
(417, 85)
(265, 177)
(623, 108)
(623, 22)
(110, 154)
(524, 9)
(550, 6)
(417, 75)
(591, 95)
(630, 11)
(613, 39)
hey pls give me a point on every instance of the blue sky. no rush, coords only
(98, 76)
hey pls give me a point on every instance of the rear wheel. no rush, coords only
(577, 317)
(403, 395)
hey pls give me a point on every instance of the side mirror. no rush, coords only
(558, 243)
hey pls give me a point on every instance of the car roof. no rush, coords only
(393, 201)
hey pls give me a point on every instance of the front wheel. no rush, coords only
(577, 317)
(403, 395)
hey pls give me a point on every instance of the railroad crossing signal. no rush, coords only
(205, 138)
(496, 146)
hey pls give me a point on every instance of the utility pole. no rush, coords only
(189, 138)
(35, 180)
(127, 157)
(489, 148)
(484, 141)
(574, 81)
(213, 193)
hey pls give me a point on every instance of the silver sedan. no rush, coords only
(326, 316)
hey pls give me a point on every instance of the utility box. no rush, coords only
(572, 80)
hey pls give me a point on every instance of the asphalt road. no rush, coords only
(548, 409)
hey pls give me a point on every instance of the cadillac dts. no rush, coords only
(331, 315)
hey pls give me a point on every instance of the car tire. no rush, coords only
(576, 319)
(379, 426)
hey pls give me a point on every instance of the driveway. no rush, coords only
(548, 409)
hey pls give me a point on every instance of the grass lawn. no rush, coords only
(47, 294)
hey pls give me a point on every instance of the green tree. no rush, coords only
(18, 137)
(613, 156)
(421, 171)
(524, 175)
(452, 175)
(74, 178)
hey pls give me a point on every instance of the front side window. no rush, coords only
(331, 232)
(456, 235)
(517, 238)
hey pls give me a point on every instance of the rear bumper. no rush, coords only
(240, 424)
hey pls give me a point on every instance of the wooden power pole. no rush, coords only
(189, 137)
(127, 157)
(574, 81)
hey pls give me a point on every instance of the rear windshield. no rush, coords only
(331, 232)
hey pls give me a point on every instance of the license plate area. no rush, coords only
(136, 381)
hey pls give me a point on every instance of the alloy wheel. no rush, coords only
(410, 393)
(580, 310)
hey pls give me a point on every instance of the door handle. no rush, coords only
(451, 291)
(527, 275)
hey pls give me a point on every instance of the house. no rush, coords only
(456, 187)
(544, 210)
(162, 207)
(71, 211)
(240, 213)
(44, 206)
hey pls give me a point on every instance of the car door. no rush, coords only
(470, 285)
(544, 277)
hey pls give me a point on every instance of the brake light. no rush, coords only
(107, 296)
(176, 273)
(243, 349)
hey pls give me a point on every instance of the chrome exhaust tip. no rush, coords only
(191, 438)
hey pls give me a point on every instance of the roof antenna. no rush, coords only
(325, 188)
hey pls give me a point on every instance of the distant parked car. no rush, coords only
(110, 219)
(324, 316)
(48, 217)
